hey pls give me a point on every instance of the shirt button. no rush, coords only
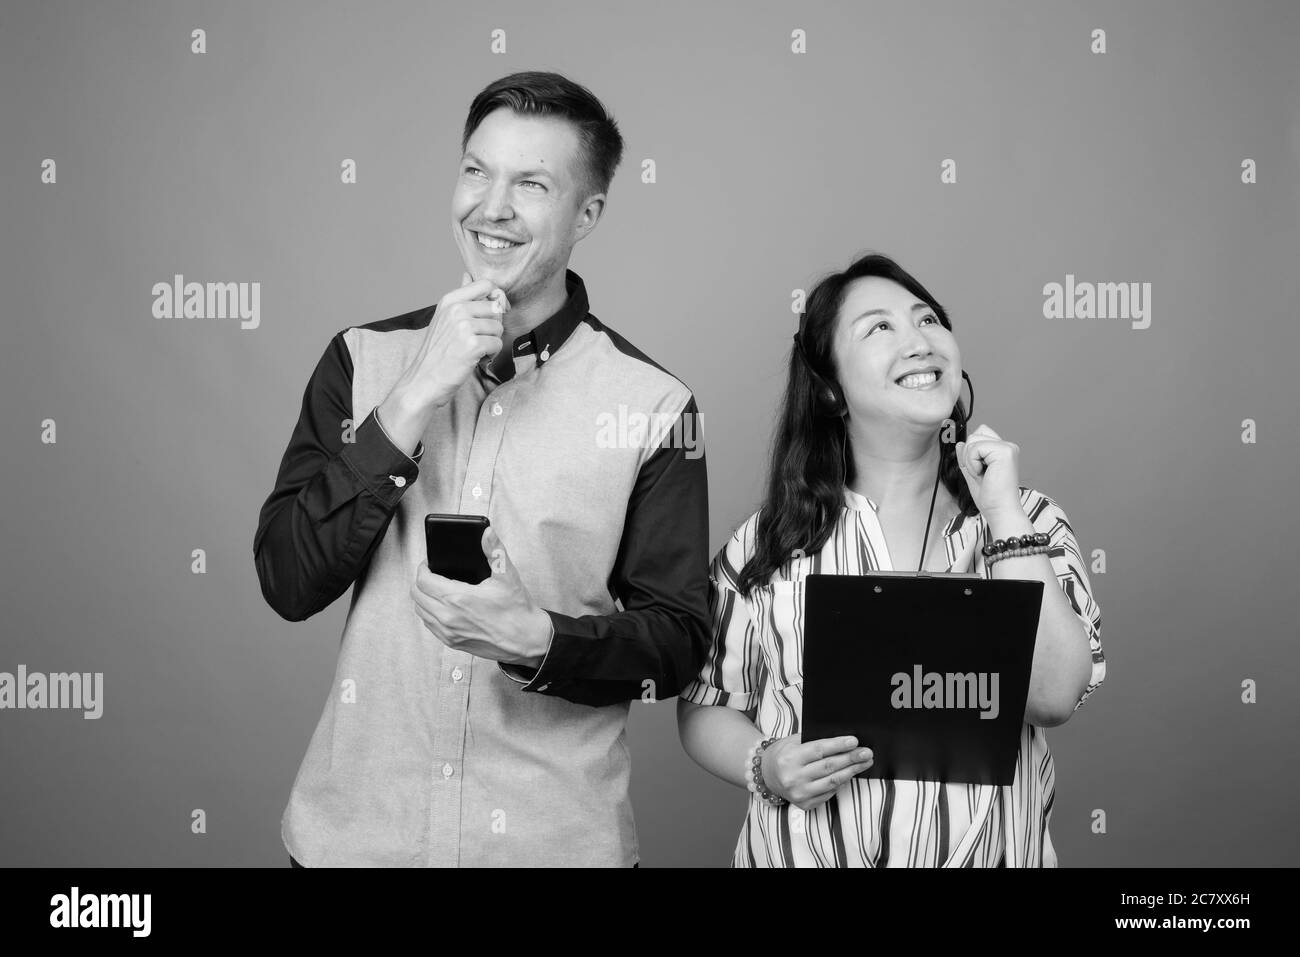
(496, 408)
(398, 480)
(446, 771)
(546, 354)
(542, 687)
(457, 675)
(478, 491)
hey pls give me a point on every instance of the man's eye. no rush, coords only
(473, 169)
(529, 182)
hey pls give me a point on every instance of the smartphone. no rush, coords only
(454, 544)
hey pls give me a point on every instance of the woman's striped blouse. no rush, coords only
(755, 665)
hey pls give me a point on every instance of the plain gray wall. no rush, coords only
(772, 168)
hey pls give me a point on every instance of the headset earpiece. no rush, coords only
(830, 401)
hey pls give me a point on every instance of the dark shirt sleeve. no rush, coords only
(657, 643)
(333, 499)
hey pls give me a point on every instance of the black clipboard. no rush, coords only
(865, 636)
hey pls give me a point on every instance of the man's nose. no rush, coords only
(496, 204)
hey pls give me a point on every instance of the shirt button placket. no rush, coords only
(445, 808)
(489, 432)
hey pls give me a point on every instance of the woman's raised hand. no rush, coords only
(991, 467)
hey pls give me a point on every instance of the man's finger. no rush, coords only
(433, 612)
(485, 326)
(479, 309)
(436, 628)
(436, 586)
(475, 290)
(488, 346)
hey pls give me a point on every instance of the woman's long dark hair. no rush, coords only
(811, 458)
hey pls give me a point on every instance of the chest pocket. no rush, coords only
(778, 613)
(574, 494)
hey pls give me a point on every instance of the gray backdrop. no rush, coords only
(772, 166)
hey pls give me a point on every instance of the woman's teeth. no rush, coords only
(919, 381)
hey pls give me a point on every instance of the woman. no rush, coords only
(870, 455)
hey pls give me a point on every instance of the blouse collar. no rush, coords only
(860, 503)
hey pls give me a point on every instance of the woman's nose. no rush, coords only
(916, 344)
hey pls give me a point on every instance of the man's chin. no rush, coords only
(503, 276)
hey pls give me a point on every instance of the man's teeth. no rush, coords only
(492, 242)
(919, 379)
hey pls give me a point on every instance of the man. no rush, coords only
(486, 724)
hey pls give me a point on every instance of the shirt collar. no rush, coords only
(860, 503)
(548, 335)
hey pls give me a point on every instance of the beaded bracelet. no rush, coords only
(1016, 541)
(1001, 547)
(1014, 547)
(1016, 553)
(754, 775)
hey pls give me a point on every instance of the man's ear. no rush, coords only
(589, 216)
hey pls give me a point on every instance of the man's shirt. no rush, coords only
(588, 462)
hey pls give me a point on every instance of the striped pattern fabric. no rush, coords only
(755, 665)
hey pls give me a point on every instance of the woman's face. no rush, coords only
(882, 334)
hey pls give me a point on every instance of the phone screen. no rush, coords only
(454, 544)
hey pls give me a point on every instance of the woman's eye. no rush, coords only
(472, 169)
(932, 318)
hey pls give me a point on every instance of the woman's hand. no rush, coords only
(807, 775)
(992, 470)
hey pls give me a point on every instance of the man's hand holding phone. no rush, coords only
(467, 326)
(494, 619)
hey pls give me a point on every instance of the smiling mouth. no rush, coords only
(920, 380)
(492, 244)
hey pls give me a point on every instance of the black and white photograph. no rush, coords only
(659, 436)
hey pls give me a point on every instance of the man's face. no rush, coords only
(520, 180)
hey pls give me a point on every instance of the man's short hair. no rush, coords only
(550, 94)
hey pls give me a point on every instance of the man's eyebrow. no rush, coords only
(885, 312)
(525, 173)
